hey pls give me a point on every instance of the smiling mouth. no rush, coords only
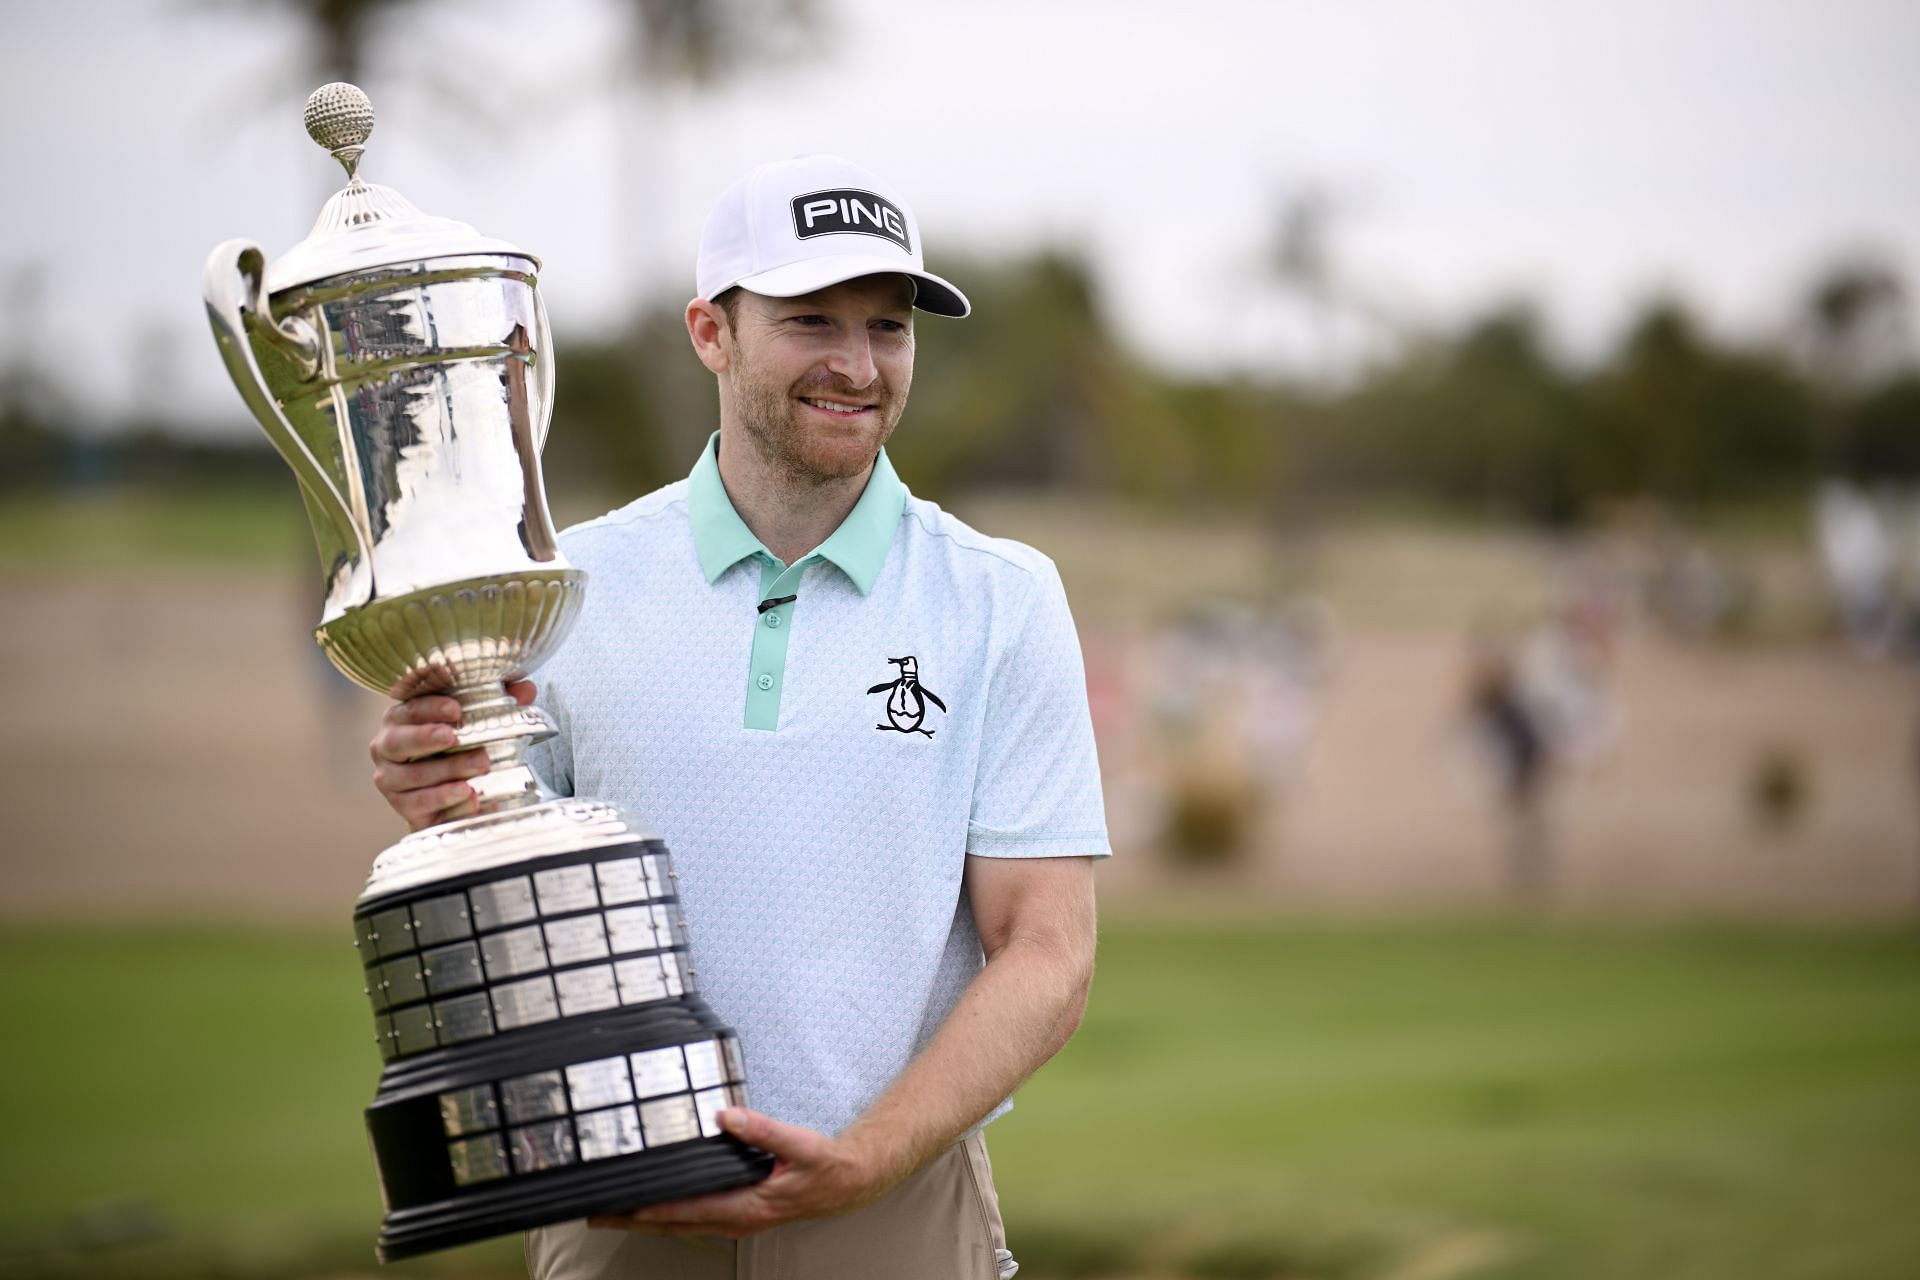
(836, 408)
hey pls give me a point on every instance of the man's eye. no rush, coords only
(891, 326)
(810, 320)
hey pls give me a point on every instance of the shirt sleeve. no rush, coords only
(1037, 791)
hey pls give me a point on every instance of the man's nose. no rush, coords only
(852, 358)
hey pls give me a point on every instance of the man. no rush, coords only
(863, 729)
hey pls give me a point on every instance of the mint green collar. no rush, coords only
(859, 546)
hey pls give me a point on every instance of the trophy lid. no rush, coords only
(364, 225)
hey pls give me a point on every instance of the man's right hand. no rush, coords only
(422, 786)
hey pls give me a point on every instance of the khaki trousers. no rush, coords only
(943, 1223)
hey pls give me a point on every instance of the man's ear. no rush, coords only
(712, 339)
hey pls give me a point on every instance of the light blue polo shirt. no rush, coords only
(819, 813)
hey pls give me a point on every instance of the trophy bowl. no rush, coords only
(546, 1055)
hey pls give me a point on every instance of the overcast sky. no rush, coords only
(1585, 153)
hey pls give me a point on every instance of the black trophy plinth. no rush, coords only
(547, 1058)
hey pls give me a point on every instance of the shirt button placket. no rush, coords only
(769, 658)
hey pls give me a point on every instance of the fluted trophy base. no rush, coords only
(548, 1057)
(466, 640)
(467, 635)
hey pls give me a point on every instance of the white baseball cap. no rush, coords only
(793, 226)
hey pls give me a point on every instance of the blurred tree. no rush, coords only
(467, 86)
(337, 36)
(1652, 434)
(1027, 391)
(1036, 391)
(1857, 321)
(673, 50)
(1678, 419)
(643, 415)
(1206, 445)
(1302, 264)
(1854, 333)
(703, 43)
(1487, 420)
(1344, 319)
(343, 30)
(1031, 391)
(1886, 430)
(30, 448)
(32, 404)
(1348, 323)
(631, 411)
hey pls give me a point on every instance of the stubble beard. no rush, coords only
(772, 420)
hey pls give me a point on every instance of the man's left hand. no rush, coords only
(814, 1176)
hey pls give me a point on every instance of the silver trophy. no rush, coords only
(546, 1055)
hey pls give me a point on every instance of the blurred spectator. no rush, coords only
(1779, 787)
(1231, 695)
(1907, 631)
(1285, 664)
(1566, 671)
(1510, 729)
(1544, 699)
(1694, 594)
(1857, 552)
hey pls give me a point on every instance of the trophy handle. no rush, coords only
(543, 372)
(238, 310)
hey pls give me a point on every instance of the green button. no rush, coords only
(773, 620)
(765, 682)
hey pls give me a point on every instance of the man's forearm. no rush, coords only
(1018, 1012)
(1035, 917)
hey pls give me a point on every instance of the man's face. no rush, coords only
(820, 381)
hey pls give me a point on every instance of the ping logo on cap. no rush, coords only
(847, 211)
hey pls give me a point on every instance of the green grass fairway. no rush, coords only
(1246, 1099)
(147, 529)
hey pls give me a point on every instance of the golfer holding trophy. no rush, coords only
(893, 894)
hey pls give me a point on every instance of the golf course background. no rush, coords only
(1481, 447)
(1342, 1054)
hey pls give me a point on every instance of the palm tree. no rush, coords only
(668, 49)
(1854, 331)
(1302, 262)
(701, 43)
(673, 51)
(339, 34)
(344, 40)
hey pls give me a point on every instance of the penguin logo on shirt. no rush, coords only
(906, 698)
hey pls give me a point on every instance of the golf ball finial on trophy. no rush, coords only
(546, 1055)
